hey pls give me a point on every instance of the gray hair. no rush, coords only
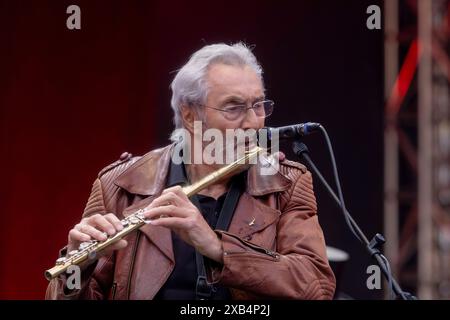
(189, 87)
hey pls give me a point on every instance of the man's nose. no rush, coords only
(251, 120)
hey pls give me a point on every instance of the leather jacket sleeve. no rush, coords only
(96, 279)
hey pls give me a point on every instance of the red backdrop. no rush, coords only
(72, 101)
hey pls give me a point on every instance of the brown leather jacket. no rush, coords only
(282, 254)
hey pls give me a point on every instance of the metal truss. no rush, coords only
(417, 145)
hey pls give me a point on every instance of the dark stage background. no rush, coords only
(72, 101)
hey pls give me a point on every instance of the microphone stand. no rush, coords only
(372, 246)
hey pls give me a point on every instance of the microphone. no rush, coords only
(289, 132)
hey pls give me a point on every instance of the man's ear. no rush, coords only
(188, 115)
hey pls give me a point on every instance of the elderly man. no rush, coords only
(272, 245)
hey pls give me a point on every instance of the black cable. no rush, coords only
(390, 282)
(338, 184)
(344, 209)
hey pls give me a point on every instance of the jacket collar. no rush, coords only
(148, 176)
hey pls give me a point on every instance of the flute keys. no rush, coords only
(60, 261)
(125, 223)
(140, 214)
(72, 253)
(84, 245)
(134, 220)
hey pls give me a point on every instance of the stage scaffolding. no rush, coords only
(417, 145)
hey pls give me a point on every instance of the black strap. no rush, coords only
(204, 290)
(229, 205)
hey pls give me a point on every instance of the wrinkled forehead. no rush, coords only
(233, 80)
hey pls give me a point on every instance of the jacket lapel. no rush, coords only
(251, 216)
(161, 237)
(147, 178)
(256, 211)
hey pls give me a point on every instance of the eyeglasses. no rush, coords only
(232, 111)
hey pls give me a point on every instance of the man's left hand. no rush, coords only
(175, 211)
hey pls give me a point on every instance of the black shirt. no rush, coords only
(181, 283)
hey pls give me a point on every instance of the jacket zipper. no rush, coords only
(255, 247)
(262, 255)
(132, 263)
(113, 290)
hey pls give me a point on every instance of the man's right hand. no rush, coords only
(94, 228)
